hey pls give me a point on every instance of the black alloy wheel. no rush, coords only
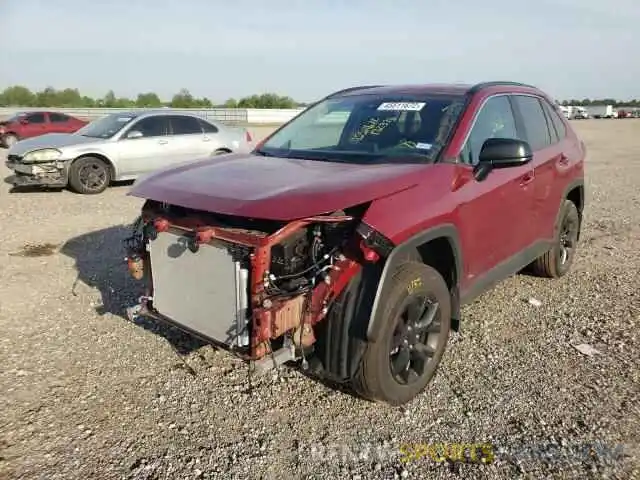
(415, 339)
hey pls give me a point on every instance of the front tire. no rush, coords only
(404, 359)
(89, 176)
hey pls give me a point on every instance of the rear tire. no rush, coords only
(557, 261)
(404, 359)
(89, 175)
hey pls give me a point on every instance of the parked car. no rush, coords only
(348, 240)
(32, 124)
(121, 146)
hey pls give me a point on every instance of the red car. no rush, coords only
(349, 239)
(31, 124)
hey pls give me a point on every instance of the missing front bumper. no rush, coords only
(261, 365)
(54, 174)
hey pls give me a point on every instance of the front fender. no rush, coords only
(408, 250)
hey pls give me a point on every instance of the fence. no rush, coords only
(246, 116)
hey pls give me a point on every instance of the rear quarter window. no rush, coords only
(207, 127)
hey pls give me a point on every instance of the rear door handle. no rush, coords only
(527, 178)
(163, 142)
(206, 139)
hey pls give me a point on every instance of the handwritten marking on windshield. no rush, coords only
(372, 127)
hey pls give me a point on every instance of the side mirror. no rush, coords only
(502, 153)
(24, 121)
(134, 134)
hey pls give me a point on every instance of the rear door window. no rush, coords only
(552, 129)
(36, 118)
(152, 126)
(556, 120)
(58, 118)
(184, 125)
(534, 120)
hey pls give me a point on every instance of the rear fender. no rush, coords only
(410, 250)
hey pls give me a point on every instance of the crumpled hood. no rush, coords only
(274, 188)
(50, 140)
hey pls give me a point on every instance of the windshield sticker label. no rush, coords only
(423, 146)
(124, 119)
(402, 106)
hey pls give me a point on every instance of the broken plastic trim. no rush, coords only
(374, 240)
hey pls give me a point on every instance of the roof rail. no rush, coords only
(352, 89)
(482, 85)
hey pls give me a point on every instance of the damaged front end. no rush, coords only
(45, 170)
(253, 287)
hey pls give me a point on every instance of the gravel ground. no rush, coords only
(87, 394)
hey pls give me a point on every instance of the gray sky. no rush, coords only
(307, 48)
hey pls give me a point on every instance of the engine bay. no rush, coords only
(306, 257)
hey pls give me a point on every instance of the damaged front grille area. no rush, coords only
(254, 227)
(255, 286)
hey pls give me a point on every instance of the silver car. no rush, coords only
(119, 147)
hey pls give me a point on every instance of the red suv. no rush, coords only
(31, 124)
(350, 237)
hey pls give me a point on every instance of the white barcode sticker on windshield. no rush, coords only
(423, 146)
(402, 106)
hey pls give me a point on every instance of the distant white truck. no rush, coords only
(603, 111)
(575, 112)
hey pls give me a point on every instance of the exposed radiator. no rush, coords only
(204, 291)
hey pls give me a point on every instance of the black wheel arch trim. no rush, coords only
(410, 248)
(576, 183)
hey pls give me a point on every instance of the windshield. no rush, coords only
(106, 127)
(368, 129)
(16, 117)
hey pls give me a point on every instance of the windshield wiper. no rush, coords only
(262, 153)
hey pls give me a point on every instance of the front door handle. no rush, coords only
(527, 178)
(163, 142)
(563, 160)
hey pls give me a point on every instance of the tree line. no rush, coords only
(585, 102)
(20, 96)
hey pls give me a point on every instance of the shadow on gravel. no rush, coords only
(30, 188)
(37, 188)
(99, 258)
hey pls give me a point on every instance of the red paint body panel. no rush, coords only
(274, 188)
(496, 219)
(30, 130)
